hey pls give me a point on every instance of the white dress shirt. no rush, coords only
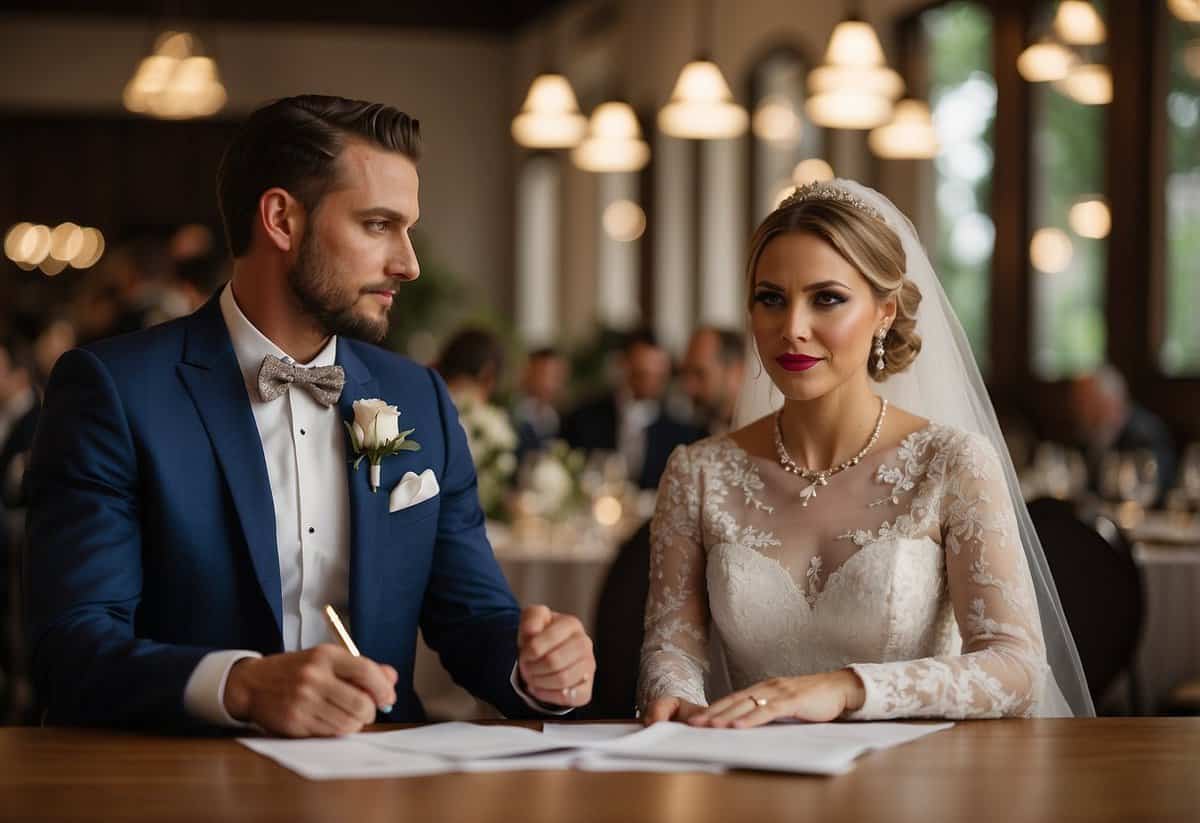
(304, 444)
(634, 417)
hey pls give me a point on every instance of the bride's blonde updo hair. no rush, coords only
(859, 234)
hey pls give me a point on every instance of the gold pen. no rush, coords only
(335, 623)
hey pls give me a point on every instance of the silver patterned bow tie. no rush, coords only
(324, 383)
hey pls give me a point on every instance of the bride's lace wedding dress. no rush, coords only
(907, 568)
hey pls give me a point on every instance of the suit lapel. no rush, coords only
(365, 505)
(212, 376)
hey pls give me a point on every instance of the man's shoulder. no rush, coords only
(141, 350)
(387, 365)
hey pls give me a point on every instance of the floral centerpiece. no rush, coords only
(552, 486)
(493, 445)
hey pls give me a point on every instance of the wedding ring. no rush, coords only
(757, 701)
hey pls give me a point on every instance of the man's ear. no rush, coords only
(281, 218)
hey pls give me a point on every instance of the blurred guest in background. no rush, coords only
(632, 420)
(143, 272)
(55, 337)
(471, 363)
(52, 336)
(17, 395)
(196, 270)
(1108, 420)
(711, 375)
(536, 404)
(96, 307)
(18, 404)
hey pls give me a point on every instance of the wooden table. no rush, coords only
(1120, 769)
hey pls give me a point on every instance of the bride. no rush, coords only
(863, 551)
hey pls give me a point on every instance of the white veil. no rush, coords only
(943, 384)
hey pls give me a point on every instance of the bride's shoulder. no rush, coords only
(920, 435)
(962, 448)
(706, 450)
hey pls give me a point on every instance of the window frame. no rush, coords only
(1134, 182)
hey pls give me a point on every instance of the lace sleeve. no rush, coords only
(675, 649)
(1003, 667)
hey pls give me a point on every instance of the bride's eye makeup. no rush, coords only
(769, 298)
(828, 299)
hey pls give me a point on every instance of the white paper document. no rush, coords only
(821, 748)
(343, 759)
(816, 748)
(465, 741)
(583, 761)
(584, 733)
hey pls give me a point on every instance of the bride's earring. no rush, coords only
(878, 351)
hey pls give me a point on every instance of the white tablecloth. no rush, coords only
(1170, 649)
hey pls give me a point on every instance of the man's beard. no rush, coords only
(314, 283)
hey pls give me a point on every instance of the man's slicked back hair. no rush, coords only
(294, 144)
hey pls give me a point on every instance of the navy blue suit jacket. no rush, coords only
(152, 531)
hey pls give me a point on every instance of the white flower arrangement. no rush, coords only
(493, 444)
(553, 487)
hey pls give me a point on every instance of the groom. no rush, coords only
(193, 505)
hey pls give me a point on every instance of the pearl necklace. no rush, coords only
(820, 478)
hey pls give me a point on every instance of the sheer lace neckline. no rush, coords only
(906, 443)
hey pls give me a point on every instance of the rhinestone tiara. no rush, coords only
(824, 190)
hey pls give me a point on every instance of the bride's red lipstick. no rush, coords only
(797, 362)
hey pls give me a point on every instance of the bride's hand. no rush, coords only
(670, 708)
(817, 698)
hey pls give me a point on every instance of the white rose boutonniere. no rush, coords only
(375, 434)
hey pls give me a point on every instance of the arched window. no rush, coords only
(956, 42)
(1069, 218)
(1179, 354)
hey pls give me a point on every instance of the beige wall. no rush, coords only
(458, 85)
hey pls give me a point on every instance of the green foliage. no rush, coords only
(959, 39)
(1181, 346)
(439, 303)
(1069, 150)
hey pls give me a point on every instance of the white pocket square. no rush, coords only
(412, 489)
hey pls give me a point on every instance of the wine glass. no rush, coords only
(1145, 473)
(1053, 470)
(591, 479)
(1118, 477)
